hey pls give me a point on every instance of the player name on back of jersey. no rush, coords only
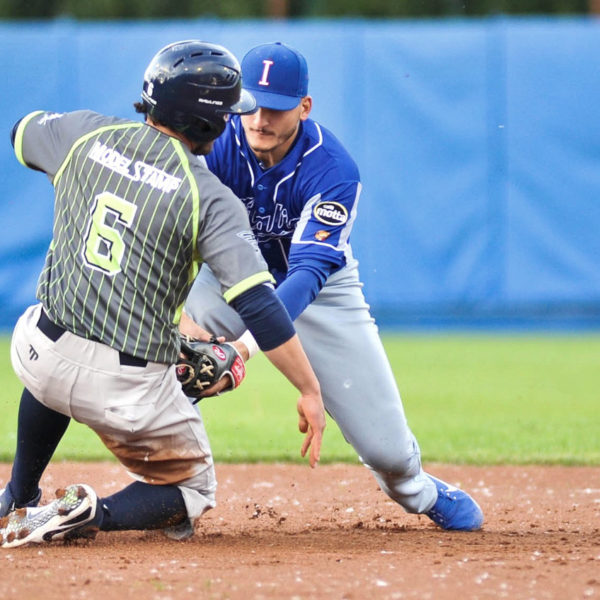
(111, 159)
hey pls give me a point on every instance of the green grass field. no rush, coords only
(471, 399)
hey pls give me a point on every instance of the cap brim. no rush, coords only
(275, 101)
(245, 105)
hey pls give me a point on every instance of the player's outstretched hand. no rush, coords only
(311, 421)
(291, 360)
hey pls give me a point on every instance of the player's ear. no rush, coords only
(305, 106)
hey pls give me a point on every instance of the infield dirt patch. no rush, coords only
(286, 531)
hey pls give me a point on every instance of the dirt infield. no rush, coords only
(286, 531)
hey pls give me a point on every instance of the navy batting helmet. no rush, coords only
(191, 86)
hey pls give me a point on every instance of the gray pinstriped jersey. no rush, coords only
(134, 212)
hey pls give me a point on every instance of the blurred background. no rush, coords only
(474, 123)
(236, 9)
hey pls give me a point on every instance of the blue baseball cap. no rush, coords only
(276, 75)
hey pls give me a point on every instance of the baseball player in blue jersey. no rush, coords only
(135, 211)
(301, 190)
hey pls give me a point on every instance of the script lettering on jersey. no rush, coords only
(276, 221)
(49, 117)
(113, 160)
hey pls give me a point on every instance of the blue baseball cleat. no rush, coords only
(8, 503)
(454, 509)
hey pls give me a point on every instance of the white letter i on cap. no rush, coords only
(265, 73)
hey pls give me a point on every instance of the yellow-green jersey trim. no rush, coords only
(185, 163)
(86, 137)
(19, 135)
(178, 313)
(246, 284)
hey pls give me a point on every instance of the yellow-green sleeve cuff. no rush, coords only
(246, 284)
(19, 135)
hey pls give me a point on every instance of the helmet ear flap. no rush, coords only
(205, 130)
(197, 128)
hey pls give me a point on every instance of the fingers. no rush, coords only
(302, 424)
(313, 441)
(306, 443)
(217, 388)
(209, 337)
(315, 450)
(312, 423)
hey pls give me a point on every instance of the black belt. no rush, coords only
(53, 331)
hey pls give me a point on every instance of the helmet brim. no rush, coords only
(273, 101)
(245, 106)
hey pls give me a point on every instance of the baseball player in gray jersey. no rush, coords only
(134, 214)
(301, 190)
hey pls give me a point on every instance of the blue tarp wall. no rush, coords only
(478, 143)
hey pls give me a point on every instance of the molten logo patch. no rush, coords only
(331, 213)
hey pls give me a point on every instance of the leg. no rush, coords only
(361, 395)
(143, 417)
(142, 506)
(78, 513)
(39, 430)
(159, 437)
(359, 390)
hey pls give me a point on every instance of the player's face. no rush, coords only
(270, 133)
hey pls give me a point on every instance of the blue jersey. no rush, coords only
(302, 207)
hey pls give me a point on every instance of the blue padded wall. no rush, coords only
(477, 142)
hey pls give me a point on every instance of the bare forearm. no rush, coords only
(291, 360)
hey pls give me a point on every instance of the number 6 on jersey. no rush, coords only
(103, 245)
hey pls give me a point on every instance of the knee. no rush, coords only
(395, 463)
(199, 493)
(403, 480)
(197, 502)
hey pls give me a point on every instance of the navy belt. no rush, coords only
(53, 331)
